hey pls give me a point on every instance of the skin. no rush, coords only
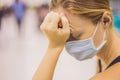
(79, 30)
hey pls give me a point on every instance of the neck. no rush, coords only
(110, 52)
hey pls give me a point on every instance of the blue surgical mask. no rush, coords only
(84, 49)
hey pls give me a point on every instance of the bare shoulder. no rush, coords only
(113, 73)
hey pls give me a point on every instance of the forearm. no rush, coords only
(47, 66)
(57, 38)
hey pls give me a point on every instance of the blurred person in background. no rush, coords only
(85, 29)
(42, 12)
(4, 12)
(1, 13)
(19, 10)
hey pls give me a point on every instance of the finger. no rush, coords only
(55, 20)
(50, 21)
(48, 17)
(46, 21)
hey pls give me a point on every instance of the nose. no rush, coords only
(71, 38)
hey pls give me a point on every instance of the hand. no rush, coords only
(56, 36)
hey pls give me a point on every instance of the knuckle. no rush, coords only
(48, 17)
(42, 28)
(50, 29)
(65, 22)
(56, 16)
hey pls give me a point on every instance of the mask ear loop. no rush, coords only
(104, 36)
(95, 30)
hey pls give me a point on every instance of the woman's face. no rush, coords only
(82, 28)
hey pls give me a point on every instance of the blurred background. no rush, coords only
(22, 45)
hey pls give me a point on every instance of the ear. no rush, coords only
(106, 19)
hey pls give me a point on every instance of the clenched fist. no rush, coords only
(56, 33)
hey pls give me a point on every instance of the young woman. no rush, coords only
(85, 28)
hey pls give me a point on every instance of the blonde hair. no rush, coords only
(92, 9)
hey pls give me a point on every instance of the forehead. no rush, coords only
(72, 18)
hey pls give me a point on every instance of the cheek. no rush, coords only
(76, 33)
(82, 33)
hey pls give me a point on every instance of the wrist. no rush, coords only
(55, 49)
(51, 46)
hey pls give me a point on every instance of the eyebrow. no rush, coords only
(71, 25)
